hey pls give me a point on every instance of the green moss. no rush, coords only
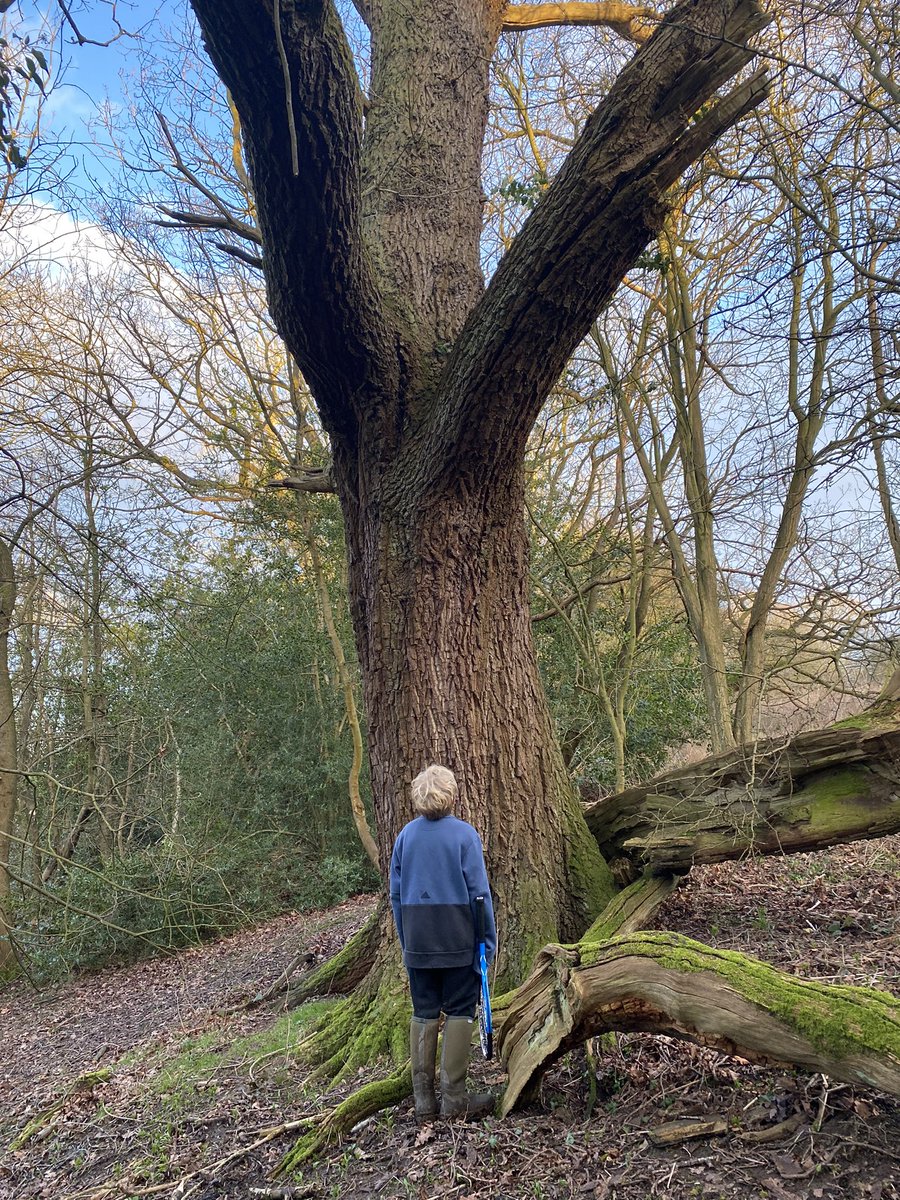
(835, 1019)
(884, 713)
(590, 878)
(371, 1023)
(335, 1124)
(828, 787)
(199, 1057)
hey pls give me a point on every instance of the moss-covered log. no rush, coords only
(665, 983)
(818, 789)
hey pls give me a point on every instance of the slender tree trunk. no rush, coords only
(704, 611)
(8, 745)
(98, 781)
(877, 418)
(810, 417)
(357, 807)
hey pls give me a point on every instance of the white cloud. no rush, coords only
(43, 236)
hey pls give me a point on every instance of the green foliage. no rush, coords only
(226, 718)
(21, 64)
(665, 702)
(526, 192)
(163, 898)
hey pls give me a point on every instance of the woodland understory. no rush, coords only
(192, 1097)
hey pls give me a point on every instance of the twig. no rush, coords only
(288, 94)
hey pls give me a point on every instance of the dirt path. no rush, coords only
(51, 1037)
(189, 1085)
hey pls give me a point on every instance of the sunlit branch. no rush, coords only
(629, 21)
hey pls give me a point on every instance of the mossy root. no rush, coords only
(340, 1120)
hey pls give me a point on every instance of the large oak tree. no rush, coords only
(429, 382)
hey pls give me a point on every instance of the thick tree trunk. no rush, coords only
(821, 788)
(665, 983)
(8, 751)
(440, 607)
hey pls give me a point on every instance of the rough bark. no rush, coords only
(449, 676)
(832, 785)
(668, 984)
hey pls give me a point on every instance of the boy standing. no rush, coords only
(437, 871)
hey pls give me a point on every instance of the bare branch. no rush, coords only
(188, 219)
(630, 21)
(571, 598)
(252, 260)
(310, 479)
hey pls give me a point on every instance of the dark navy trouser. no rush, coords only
(453, 991)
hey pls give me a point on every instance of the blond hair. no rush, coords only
(434, 791)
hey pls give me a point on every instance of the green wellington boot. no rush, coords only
(455, 1100)
(423, 1036)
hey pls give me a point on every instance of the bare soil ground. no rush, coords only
(193, 1093)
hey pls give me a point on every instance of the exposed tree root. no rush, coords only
(818, 789)
(666, 983)
(340, 1120)
(372, 1023)
(339, 974)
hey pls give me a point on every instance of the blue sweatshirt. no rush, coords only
(437, 870)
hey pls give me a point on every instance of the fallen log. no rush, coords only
(668, 984)
(815, 790)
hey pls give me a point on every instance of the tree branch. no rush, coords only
(608, 201)
(187, 219)
(322, 295)
(310, 479)
(252, 260)
(629, 21)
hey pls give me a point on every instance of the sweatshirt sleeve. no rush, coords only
(396, 857)
(475, 874)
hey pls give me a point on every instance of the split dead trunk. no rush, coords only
(818, 789)
(668, 984)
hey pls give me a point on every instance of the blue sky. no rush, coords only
(88, 77)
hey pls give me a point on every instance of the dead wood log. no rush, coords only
(815, 790)
(668, 984)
